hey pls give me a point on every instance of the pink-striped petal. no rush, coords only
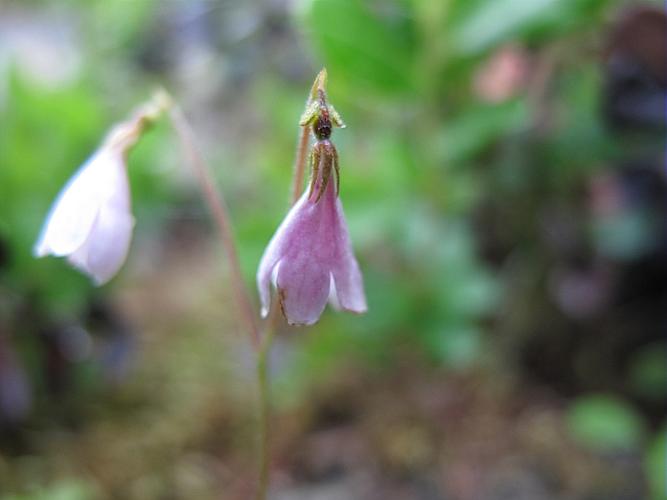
(313, 257)
(347, 280)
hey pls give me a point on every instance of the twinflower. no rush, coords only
(310, 258)
(90, 222)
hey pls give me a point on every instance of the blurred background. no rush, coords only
(503, 177)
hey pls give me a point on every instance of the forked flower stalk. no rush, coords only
(220, 213)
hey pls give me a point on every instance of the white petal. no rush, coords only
(72, 215)
(333, 295)
(90, 221)
(106, 249)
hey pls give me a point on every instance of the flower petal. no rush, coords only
(274, 252)
(108, 245)
(72, 215)
(333, 295)
(109, 239)
(304, 276)
(303, 288)
(348, 282)
(312, 261)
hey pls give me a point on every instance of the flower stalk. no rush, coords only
(220, 214)
(310, 256)
(310, 260)
(304, 139)
(300, 165)
(264, 412)
(272, 322)
(261, 344)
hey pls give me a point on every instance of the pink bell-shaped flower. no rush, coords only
(91, 222)
(310, 258)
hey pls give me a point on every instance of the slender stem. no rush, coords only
(263, 355)
(300, 164)
(262, 345)
(220, 214)
(271, 327)
(264, 413)
(302, 148)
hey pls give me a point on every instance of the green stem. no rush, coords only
(300, 164)
(267, 341)
(261, 345)
(264, 413)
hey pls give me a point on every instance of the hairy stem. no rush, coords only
(302, 148)
(220, 214)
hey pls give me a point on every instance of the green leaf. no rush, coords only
(477, 128)
(605, 423)
(456, 346)
(372, 48)
(493, 22)
(72, 489)
(655, 464)
(648, 371)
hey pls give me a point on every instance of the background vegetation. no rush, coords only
(503, 178)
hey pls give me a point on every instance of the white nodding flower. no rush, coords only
(90, 223)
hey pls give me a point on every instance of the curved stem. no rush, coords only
(214, 199)
(220, 214)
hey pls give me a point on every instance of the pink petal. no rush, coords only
(304, 276)
(303, 288)
(312, 255)
(301, 250)
(349, 286)
(274, 252)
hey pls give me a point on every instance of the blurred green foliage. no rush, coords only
(64, 490)
(424, 149)
(648, 371)
(656, 466)
(605, 423)
(37, 170)
(47, 135)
